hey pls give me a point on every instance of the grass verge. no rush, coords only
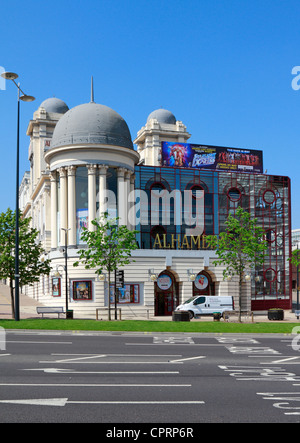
(150, 326)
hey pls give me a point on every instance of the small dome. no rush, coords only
(163, 116)
(54, 105)
(91, 123)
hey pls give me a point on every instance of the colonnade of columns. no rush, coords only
(67, 198)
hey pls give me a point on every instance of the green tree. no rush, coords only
(30, 252)
(240, 248)
(295, 258)
(109, 247)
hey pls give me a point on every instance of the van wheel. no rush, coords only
(191, 315)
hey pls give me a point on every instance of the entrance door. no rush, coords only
(166, 294)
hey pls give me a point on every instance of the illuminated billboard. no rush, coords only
(186, 155)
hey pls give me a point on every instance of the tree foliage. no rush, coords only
(109, 247)
(295, 258)
(240, 248)
(30, 251)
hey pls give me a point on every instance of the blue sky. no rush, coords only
(224, 68)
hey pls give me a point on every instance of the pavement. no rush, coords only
(27, 304)
(28, 310)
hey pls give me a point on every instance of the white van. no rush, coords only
(207, 305)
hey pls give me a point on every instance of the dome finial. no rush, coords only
(92, 90)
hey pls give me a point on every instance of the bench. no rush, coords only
(127, 313)
(246, 314)
(50, 310)
(112, 312)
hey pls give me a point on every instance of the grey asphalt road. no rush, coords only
(178, 380)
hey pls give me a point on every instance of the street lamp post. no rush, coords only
(26, 98)
(66, 267)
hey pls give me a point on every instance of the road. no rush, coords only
(159, 378)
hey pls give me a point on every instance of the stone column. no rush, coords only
(131, 208)
(72, 205)
(102, 189)
(53, 190)
(126, 194)
(63, 199)
(92, 169)
(122, 197)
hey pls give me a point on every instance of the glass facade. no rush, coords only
(81, 190)
(265, 197)
(81, 186)
(112, 186)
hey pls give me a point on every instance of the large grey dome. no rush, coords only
(163, 116)
(91, 123)
(54, 104)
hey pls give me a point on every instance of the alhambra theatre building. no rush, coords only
(77, 156)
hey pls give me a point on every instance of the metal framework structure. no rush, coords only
(266, 197)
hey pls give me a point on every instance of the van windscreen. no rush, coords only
(189, 300)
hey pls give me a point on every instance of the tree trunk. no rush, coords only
(240, 298)
(109, 313)
(115, 291)
(12, 298)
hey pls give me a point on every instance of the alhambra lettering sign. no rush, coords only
(176, 241)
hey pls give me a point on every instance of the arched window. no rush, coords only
(234, 194)
(166, 294)
(208, 209)
(203, 284)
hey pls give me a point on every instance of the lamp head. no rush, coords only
(9, 75)
(27, 98)
(192, 277)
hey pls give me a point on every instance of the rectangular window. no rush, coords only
(82, 290)
(56, 287)
(130, 294)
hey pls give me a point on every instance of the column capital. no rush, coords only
(121, 172)
(71, 170)
(62, 172)
(53, 176)
(91, 169)
(103, 169)
(127, 174)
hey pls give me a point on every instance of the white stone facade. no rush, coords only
(49, 194)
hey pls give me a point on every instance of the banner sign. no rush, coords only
(164, 282)
(119, 279)
(186, 155)
(56, 287)
(82, 221)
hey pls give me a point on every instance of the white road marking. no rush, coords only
(109, 362)
(95, 356)
(288, 360)
(100, 385)
(186, 359)
(72, 371)
(60, 402)
(175, 344)
(42, 342)
(101, 359)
